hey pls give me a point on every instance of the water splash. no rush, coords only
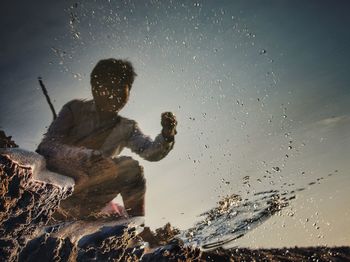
(234, 217)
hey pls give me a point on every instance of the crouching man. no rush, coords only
(85, 138)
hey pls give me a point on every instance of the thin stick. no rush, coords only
(43, 88)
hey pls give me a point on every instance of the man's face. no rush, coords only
(110, 97)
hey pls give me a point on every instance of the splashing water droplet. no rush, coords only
(262, 51)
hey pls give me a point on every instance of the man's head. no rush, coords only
(111, 81)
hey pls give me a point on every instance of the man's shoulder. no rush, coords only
(126, 121)
(79, 104)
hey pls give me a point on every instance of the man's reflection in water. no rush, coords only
(84, 139)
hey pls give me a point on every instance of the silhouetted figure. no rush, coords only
(84, 139)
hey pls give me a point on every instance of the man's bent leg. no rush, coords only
(92, 198)
(133, 185)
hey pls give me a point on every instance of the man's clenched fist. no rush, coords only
(169, 125)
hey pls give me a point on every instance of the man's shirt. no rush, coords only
(78, 129)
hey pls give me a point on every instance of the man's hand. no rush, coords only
(96, 156)
(169, 125)
(95, 162)
(97, 168)
(91, 157)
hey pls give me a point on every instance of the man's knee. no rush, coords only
(131, 172)
(137, 176)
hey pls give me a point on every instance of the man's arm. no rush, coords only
(53, 145)
(60, 157)
(153, 150)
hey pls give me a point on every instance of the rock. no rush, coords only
(161, 237)
(29, 195)
(5, 141)
(100, 240)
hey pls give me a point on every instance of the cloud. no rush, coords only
(335, 127)
(333, 121)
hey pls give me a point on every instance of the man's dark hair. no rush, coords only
(120, 71)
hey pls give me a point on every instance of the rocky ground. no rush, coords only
(29, 196)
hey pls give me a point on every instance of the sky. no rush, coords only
(254, 85)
